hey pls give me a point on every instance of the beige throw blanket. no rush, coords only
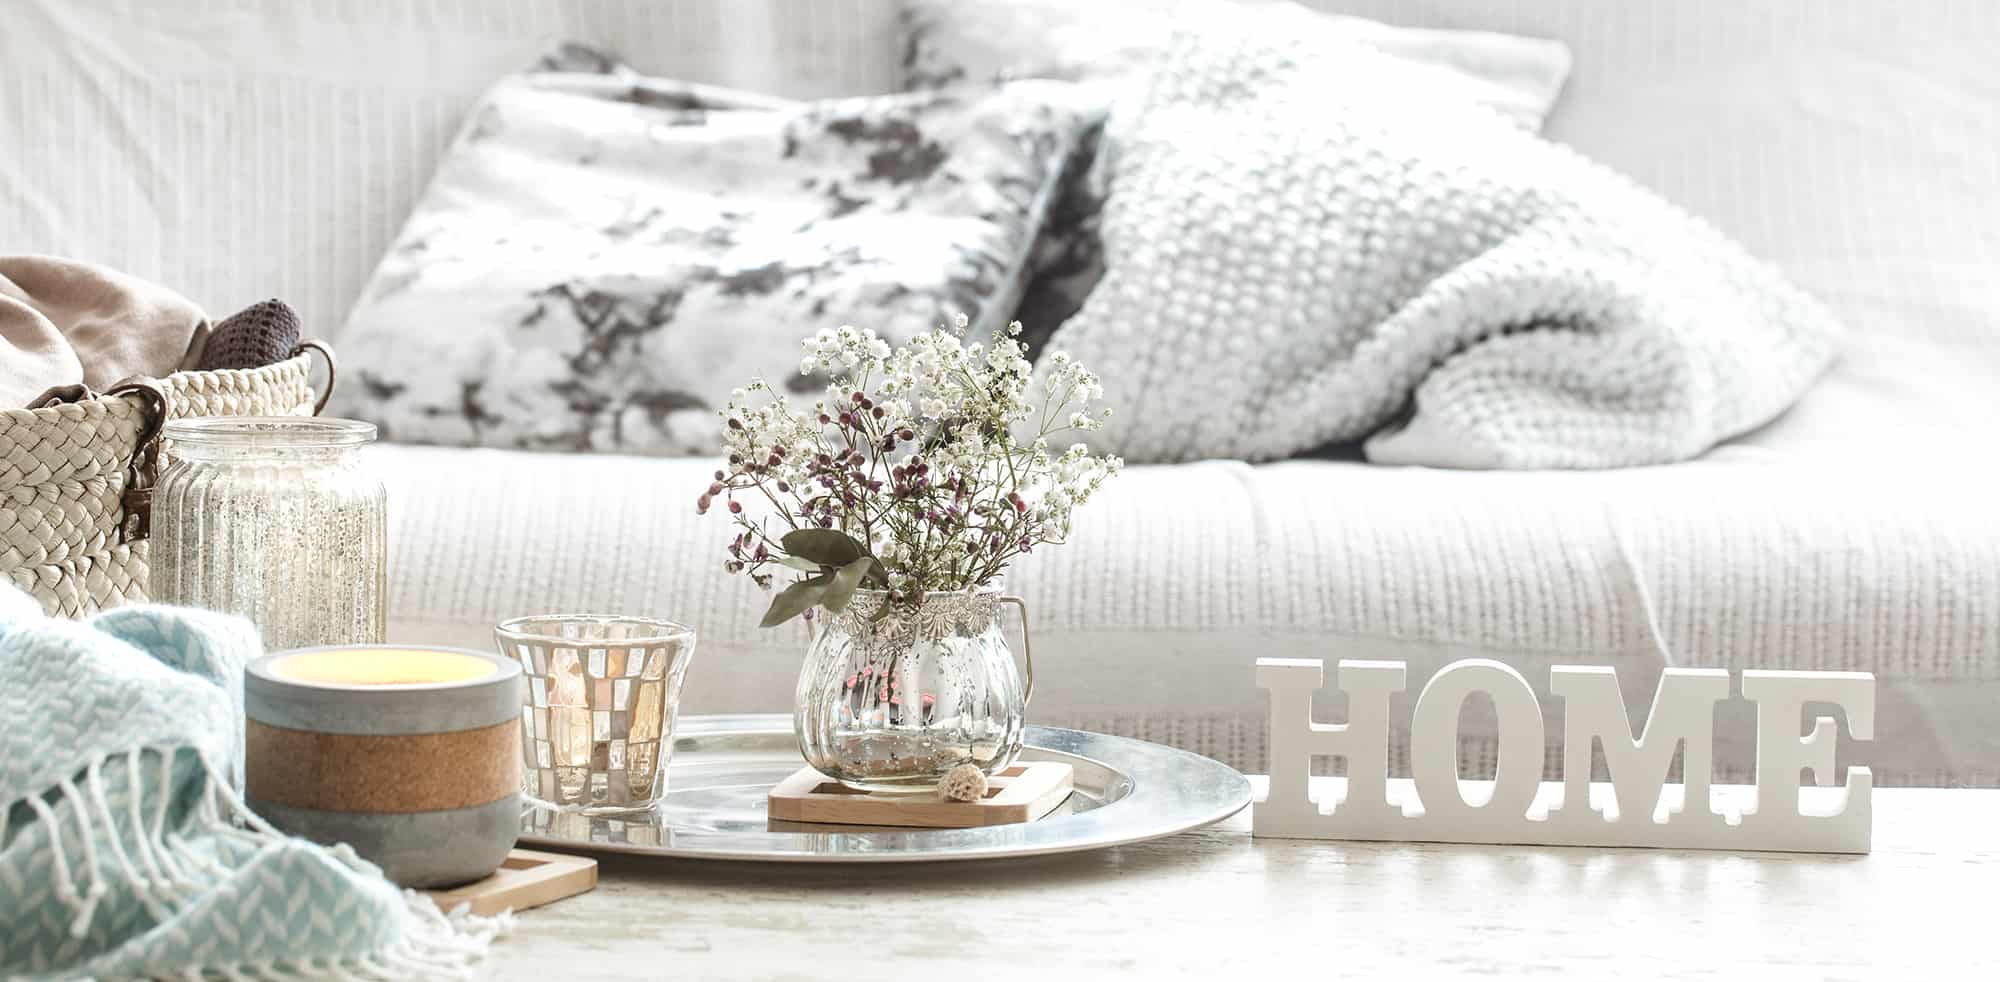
(65, 323)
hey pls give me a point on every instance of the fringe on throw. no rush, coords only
(166, 872)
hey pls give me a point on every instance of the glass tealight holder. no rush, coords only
(598, 710)
(277, 519)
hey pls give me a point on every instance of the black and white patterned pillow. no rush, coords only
(601, 258)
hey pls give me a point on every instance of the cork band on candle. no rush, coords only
(416, 772)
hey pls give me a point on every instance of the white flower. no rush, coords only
(948, 509)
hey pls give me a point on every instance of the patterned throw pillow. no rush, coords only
(1114, 46)
(599, 260)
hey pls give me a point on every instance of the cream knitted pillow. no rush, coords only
(1304, 240)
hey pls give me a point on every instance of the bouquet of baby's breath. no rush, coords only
(922, 469)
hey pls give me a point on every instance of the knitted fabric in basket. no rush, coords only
(64, 470)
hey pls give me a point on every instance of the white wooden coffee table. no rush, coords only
(1218, 904)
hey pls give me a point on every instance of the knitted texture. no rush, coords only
(261, 334)
(129, 853)
(1315, 237)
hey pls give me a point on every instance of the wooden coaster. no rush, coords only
(1021, 793)
(527, 879)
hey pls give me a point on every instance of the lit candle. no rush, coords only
(391, 749)
(382, 666)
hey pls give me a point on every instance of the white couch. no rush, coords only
(239, 151)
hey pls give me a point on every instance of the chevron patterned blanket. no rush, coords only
(125, 851)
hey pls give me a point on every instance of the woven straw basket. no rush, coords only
(76, 478)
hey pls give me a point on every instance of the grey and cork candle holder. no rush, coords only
(410, 755)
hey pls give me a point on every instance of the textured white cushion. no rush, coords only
(1853, 143)
(243, 149)
(1305, 237)
(1179, 577)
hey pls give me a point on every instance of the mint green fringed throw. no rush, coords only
(125, 850)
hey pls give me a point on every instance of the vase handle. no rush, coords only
(1027, 648)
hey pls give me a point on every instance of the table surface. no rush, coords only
(1216, 901)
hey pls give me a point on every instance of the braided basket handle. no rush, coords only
(145, 467)
(325, 353)
(137, 500)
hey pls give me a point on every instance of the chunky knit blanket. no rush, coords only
(125, 851)
(1310, 242)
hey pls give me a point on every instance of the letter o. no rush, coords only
(1434, 740)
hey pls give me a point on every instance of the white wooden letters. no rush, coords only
(1636, 808)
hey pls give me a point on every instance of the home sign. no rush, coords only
(1636, 808)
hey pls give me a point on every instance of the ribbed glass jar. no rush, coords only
(277, 519)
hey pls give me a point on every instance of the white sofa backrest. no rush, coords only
(260, 148)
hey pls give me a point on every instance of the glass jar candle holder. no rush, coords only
(598, 712)
(276, 519)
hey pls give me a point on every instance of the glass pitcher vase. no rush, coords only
(892, 701)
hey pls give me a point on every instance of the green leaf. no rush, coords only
(841, 590)
(800, 563)
(827, 547)
(878, 575)
(795, 600)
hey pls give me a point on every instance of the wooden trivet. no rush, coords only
(1021, 793)
(527, 879)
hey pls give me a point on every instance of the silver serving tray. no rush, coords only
(1126, 791)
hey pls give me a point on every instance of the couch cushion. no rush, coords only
(1178, 578)
(1417, 268)
(1852, 143)
(601, 259)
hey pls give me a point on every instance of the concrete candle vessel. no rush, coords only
(410, 755)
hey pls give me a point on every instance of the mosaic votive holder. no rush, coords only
(598, 709)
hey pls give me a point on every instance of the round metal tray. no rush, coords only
(1126, 791)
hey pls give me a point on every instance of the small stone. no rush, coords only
(966, 782)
